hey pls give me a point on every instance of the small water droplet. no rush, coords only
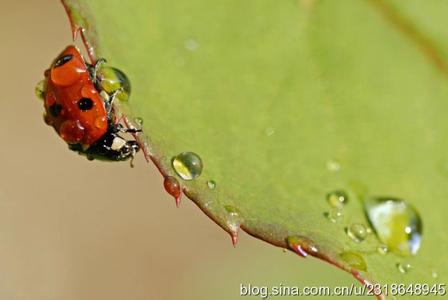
(396, 223)
(337, 198)
(302, 245)
(211, 184)
(179, 61)
(172, 186)
(369, 230)
(269, 131)
(101, 122)
(39, 90)
(188, 165)
(139, 121)
(357, 232)
(233, 213)
(404, 267)
(191, 45)
(354, 259)
(382, 249)
(233, 222)
(333, 165)
(434, 273)
(334, 215)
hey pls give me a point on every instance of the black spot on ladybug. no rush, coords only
(85, 104)
(63, 60)
(55, 109)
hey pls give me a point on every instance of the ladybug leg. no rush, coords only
(111, 146)
(110, 100)
(131, 161)
(120, 128)
(93, 70)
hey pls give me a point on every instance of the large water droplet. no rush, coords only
(396, 223)
(302, 245)
(112, 79)
(357, 232)
(188, 165)
(404, 267)
(39, 90)
(334, 215)
(354, 259)
(337, 198)
(172, 186)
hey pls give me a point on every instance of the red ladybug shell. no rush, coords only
(73, 106)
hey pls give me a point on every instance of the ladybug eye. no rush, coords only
(85, 104)
(63, 60)
(55, 109)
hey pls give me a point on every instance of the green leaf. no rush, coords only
(287, 101)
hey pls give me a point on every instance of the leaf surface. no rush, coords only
(287, 101)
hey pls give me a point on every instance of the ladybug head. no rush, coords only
(67, 68)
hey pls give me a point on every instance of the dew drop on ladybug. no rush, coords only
(71, 131)
(40, 89)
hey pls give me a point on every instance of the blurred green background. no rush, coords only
(74, 229)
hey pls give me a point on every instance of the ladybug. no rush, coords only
(78, 99)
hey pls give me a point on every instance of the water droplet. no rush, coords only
(39, 90)
(233, 216)
(101, 122)
(302, 245)
(357, 232)
(138, 121)
(179, 61)
(211, 184)
(233, 223)
(396, 223)
(382, 249)
(269, 131)
(112, 79)
(434, 273)
(172, 186)
(333, 165)
(354, 259)
(337, 198)
(188, 165)
(404, 267)
(191, 45)
(334, 215)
